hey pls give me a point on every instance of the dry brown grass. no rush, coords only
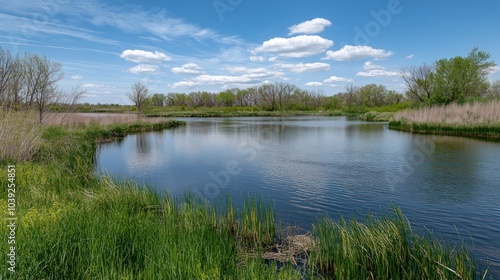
(20, 135)
(479, 113)
(85, 119)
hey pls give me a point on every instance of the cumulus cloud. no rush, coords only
(374, 70)
(357, 52)
(140, 56)
(371, 66)
(335, 79)
(298, 46)
(76, 77)
(189, 68)
(143, 68)
(313, 84)
(304, 67)
(248, 76)
(409, 56)
(313, 26)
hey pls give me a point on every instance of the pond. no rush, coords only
(312, 166)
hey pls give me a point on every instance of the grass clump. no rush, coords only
(385, 248)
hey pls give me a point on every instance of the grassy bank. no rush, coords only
(480, 119)
(73, 224)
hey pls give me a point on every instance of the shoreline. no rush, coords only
(487, 132)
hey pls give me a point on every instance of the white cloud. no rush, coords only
(189, 68)
(313, 84)
(370, 66)
(96, 86)
(335, 79)
(248, 76)
(313, 26)
(304, 67)
(188, 84)
(76, 77)
(246, 70)
(374, 70)
(494, 69)
(409, 56)
(273, 59)
(143, 68)
(378, 73)
(298, 46)
(257, 58)
(140, 56)
(357, 52)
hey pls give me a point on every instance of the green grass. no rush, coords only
(479, 131)
(73, 224)
(385, 248)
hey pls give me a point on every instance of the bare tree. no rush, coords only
(139, 95)
(70, 98)
(11, 74)
(41, 77)
(269, 94)
(419, 82)
(493, 90)
(351, 96)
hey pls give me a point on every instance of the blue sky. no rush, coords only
(213, 45)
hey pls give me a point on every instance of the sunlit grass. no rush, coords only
(480, 119)
(386, 247)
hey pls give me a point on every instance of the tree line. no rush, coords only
(270, 97)
(30, 82)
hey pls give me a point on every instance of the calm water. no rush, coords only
(309, 166)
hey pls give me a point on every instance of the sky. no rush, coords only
(214, 45)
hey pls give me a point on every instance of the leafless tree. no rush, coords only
(41, 78)
(139, 95)
(418, 81)
(70, 99)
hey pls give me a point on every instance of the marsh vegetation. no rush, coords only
(74, 224)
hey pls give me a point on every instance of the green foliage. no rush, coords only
(450, 80)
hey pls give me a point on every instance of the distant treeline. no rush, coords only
(281, 96)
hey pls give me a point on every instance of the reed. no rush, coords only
(385, 247)
(478, 113)
(479, 119)
(77, 120)
(20, 135)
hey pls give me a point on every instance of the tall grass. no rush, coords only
(20, 135)
(86, 119)
(479, 119)
(469, 114)
(385, 248)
